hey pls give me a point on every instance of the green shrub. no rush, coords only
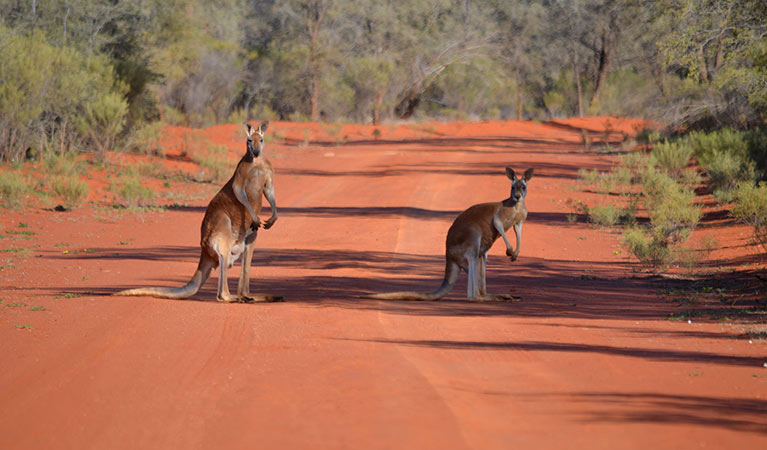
(647, 249)
(131, 192)
(103, 120)
(756, 140)
(146, 139)
(751, 207)
(13, 189)
(588, 177)
(629, 212)
(605, 215)
(691, 179)
(70, 189)
(633, 161)
(51, 95)
(673, 215)
(725, 156)
(648, 136)
(654, 184)
(57, 164)
(672, 156)
(214, 162)
(148, 169)
(621, 175)
(577, 208)
(172, 116)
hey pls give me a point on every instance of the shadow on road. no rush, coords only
(661, 355)
(738, 414)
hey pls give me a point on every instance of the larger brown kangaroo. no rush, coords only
(469, 239)
(230, 227)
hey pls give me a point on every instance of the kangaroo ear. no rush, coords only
(510, 173)
(262, 128)
(528, 174)
(248, 129)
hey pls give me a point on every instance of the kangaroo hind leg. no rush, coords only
(482, 263)
(243, 288)
(483, 296)
(222, 249)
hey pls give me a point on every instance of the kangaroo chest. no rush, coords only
(257, 177)
(511, 215)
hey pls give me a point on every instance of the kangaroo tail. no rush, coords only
(204, 269)
(451, 275)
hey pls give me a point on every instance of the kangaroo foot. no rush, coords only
(498, 298)
(262, 298)
(228, 298)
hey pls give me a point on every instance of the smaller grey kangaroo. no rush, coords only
(469, 239)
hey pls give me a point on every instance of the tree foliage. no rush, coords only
(68, 64)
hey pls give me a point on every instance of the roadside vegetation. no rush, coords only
(96, 75)
(662, 183)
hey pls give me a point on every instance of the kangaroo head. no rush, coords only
(518, 185)
(256, 138)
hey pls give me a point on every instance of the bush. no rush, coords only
(751, 208)
(605, 215)
(756, 140)
(725, 156)
(646, 249)
(70, 189)
(672, 156)
(648, 136)
(654, 184)
(146, 140)
(13, 189)
(51, 95)
(672, 214)
(588, 177)
(214, 162)
(57, 164)
(577, 208)
(103, 120)
(131, 192)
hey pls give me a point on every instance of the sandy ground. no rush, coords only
(587, 359)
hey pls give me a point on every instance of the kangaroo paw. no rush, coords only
(498, 298)
(228, 299)
(262, 298)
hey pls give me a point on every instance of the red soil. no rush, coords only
(587, 359)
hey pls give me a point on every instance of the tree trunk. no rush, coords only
(605, 53)
(377, 105)
(577, 75)
(412, 97)
(519, 97)
(407, 106)
(702, 63)
(718, 57)
(315, 95)
(316, 15)
(63, 137)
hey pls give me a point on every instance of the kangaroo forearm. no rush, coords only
(242, 197)
(502, 232)
(270, 197)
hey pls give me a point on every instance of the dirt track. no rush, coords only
(585, 360)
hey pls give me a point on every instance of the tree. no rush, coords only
(721, 45)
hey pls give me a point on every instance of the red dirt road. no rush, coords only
(585, 360)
